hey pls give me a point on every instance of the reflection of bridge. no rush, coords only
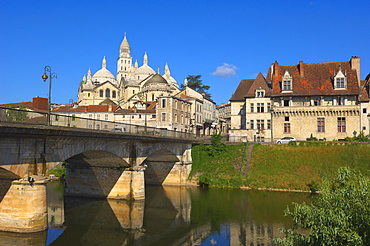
(99, 164)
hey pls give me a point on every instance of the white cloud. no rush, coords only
(226, 70)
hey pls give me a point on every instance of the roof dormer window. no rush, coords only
(260, 92)
(287, 83)
(340, 81)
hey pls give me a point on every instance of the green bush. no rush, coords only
(58, 171)
(340, 215)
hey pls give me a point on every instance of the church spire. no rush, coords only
(124, 48)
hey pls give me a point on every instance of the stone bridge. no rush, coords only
(99, 164)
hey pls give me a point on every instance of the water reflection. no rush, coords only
(168, 216)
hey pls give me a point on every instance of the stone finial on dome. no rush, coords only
(104, 63)
(145, 59)
(185, 82)
(167, 71)
(136, 64)
(89, 74)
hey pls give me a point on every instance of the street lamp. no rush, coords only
(45, 77)
(69, 111)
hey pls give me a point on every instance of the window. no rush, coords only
(286, 127)
(341, 101)
(339, 83)
(105, 126)
(88, 94)
(252, 107)
(107, 93)
(101, 93)
(260, 94)
(154, 116)
(321, 124)
(97, 126)
(163, 103)
(286, 103)
(252, 124)
(287, 85)
(90, 126)
(139, 116)
(260, 107)
(114, 94)
(341, 124)
(56, 117)
(90, 116)
(98, 116)
(316, 101)
(163, 116)
(152, 97)
(73, 117)
(268, 107)
(106, 117)
(286, 118)
(258, 124)
(364, 110)
(268, 124)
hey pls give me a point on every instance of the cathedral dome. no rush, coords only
(145, 69)
(103, 74)
(156, 79)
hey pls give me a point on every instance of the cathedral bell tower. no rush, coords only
(124, 61)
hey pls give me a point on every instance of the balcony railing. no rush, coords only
(18, 116)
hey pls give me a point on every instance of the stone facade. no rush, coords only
(129, 82)
(325, 100)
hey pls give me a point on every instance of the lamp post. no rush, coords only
(272, 125)
(69, 111)
(45, 77)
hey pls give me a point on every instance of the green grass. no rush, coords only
(217, 171)
(278, 166)
(294, 167)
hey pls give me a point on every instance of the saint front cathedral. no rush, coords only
(132, 83)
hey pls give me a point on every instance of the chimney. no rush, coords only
(355, 64)
(110, 108)
(40, 103)
(276, 69)
(301, 68)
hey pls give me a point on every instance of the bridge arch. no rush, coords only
(158, 166)
(93, 173)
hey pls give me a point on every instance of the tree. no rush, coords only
(339, 216)
(196, 83)
(16, 115)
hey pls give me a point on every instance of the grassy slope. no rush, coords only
(279, 166)
(293, 167)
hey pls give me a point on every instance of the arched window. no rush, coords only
(114, 94)
(152, 97)
(107, 93)
(101, 93)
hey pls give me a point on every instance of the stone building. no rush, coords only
(173, 113)
(202, 111)
(321, 99)
(326, 100)
(250, 111)
(129, 81)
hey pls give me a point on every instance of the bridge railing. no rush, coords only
(20, 116)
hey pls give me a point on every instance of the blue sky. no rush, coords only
(224, 41)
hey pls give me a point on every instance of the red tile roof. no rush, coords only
(313, 78)
(247, 88)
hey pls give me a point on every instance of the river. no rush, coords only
(168, 216)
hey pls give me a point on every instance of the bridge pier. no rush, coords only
(130, 185)
(24, 207)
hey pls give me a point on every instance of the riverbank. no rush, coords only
(277, 167)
